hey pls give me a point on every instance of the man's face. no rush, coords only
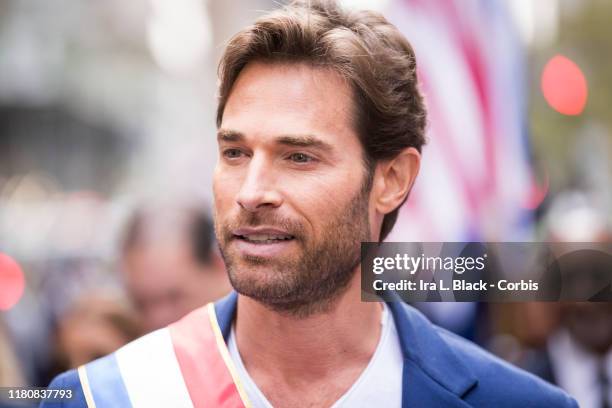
(291, 204)
(165, 281)
(590, 323)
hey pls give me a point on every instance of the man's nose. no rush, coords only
(259, 189)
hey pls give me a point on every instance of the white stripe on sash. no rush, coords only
(151, 373)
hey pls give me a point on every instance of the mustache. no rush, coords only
(269, 219)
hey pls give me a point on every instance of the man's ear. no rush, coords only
(394, 178)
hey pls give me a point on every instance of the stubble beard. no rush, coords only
(307, 284)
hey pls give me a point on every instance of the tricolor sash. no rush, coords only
(186, 364)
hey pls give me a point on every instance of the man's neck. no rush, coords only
(304, 349)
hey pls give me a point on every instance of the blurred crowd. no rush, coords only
(167, 266)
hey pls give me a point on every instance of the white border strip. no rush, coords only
(82, 371)
(151, 372)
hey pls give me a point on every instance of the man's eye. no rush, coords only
(300, 158)
(232, 153)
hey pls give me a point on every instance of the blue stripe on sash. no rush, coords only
(106, 384)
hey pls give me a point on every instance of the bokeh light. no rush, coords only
(12, 282)
(564, 86)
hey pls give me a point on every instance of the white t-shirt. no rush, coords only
(380, 384)
(576, 369)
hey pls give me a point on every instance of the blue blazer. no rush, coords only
(441, 369)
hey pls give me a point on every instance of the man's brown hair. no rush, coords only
(362, 46)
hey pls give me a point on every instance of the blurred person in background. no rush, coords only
(577, 353)
(169, 263)
(580, 353)
(10, 372)
(92, 327)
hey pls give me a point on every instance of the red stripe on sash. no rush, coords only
(204, 361)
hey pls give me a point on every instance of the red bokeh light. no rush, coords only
(564, 86)
(12, 282)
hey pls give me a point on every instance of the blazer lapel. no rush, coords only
(226, 311)
(433, 374)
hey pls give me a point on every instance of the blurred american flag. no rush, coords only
(475, 180)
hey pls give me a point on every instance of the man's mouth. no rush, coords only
(263, 242)
(262, 235)
(265, 238)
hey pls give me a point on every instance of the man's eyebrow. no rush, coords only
(304, 141)
(227, 135)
